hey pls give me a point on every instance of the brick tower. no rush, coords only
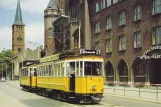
(51, 13)
(18, 32)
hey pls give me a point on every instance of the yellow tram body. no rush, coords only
(27, 78)
(57, 83)
(87, 84)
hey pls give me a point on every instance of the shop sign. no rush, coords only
(154, 56)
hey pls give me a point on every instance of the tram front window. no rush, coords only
(93, 68)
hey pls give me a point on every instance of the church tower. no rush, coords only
(18, 32)
(50, 15)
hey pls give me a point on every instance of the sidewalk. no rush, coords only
(142, 94)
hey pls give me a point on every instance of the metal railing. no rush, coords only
(152, 92)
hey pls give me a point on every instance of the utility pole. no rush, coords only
(79, 35)
(2, 71)
(6, 71)
(12, 70)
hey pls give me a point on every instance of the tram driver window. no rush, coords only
(92, 68)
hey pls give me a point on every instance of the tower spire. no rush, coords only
(52, 5)
(18, 16)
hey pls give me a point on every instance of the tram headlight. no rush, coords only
(94, 87)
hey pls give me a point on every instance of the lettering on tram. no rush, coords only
(74, 75)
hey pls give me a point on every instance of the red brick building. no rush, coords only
(124, 30)
(51, 13)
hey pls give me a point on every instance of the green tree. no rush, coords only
(6, 57)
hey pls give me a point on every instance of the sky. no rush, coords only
(33, 18)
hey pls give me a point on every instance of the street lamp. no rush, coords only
(79, 26)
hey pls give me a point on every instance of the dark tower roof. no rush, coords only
(18, 16)
(52, 5)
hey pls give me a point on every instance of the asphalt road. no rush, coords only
(11, 93)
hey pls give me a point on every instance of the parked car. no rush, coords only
(3, 79)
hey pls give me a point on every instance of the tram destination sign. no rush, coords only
(89, 52)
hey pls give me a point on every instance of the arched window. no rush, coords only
(50, 33)
(19, 50)
(19, 39)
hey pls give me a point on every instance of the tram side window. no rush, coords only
(67, 68)
(77, 69)
(35, 72)
(59, 69)
(50, 70)
(47, 70)
(81, 68)
(54, 69)
(26, 73)
(62, 69)
(23, 72)
(43, 71)
(40, 70)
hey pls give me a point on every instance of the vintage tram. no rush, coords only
(77, 75)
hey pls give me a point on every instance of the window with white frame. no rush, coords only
(109, 45)
(156, 38)
(50, 33)
(98, 7)
(137, 39)
(115, 1)
(109, 23)
(102, 4)
(108, 2)
(122, 18)
(122, 43)
(156, 6)
(97, 29)
(97, 46)
(138, 14)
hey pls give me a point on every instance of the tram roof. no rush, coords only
(72, 55)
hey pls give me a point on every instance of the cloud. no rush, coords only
(32, 6)
(5, 38)
(34, 33)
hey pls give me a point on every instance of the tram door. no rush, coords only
(72, 76)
